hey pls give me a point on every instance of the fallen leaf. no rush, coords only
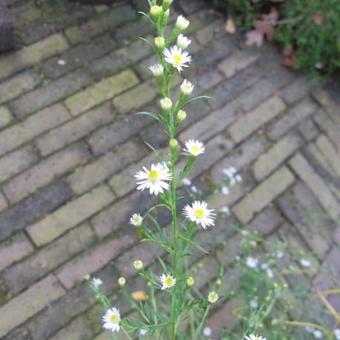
(289, 61)
(254, 38)
(139, 295)
(319, 18)
(230, 26)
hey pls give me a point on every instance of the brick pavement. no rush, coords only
(70, 143)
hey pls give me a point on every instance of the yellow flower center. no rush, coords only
(195, 149)
(199, 213)
(178, 59)
(153, 175)
(114, 318)
(169, 281)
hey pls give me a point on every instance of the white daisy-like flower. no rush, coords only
(254, 337)
(254, 303)
(142, 332)
(305, 263)
(337, 333)
(200, 214)
(182, 23)
(183, 42)
(194, 147)
(194, 189)
(167, 281)
(111, 319)
(187, 87)
(225, 190)
(157, 70)
(280, 254)
(61, 62)
(318, 334)
(176, 57)
(154, 179)
(186, 181)
(136, 220)
(212, 297)
(252, 262)
(207, 331)
(166, 104)
(96, 282)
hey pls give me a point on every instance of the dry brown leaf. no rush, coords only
(140, 295)
(289, 60)
(319, 18)
(230, 26)
(254, 38)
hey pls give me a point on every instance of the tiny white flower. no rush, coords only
(264, 266)
(166, 104)
(194, 147)
(309, 329)
(318, 334)
(187, 87)
(337, 333)
(280, 254)
(136, 220)
(96, 282)
(111, 320)
(167, 281)
(254, 303)
(183, 42)
(238, 178)
(154, 179)
(305, 263)
(122, 281)
(182, 23)
(225, 190)
(252, 262)
(138, 264)
(270, 273)
(142, 332)
(61, 62)
(177, 58)
(207, 331)
(186, 181)
(200, 214)
(254, 337)
(212, 297)
(157, 70)
(225, 210)
(230, 172)
(193, 189)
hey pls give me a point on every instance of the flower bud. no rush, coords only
(166, 104)
(160, 42)
(155, 11)
(183, 42)
(182, 23)
(212, 297)
(181, 115)
(157, 70)
(173, 143)
(190, 281)
(187, 87)
(138, 264)
(122, 281)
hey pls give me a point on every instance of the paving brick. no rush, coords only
(78, 56)
(92, 261)
(276, 155)
(70, 215)
(117, 60)
(34, 207)
(75, 129)
(291, 119)
(191, 7)
(3, 202)
(49, 93)
(5, 116)
(100, 92)
(296, 90)
(238, 61)
(80, 328)
(44, 172)
(118, 214)
(26, 272)
(123, 182)
(325, 99)
(136, 98)
(253, 120)
(316, 185)
(105, 138)
(33, 126)
(32, 54)
(29, 303)
(106, 21)
(308, 129)
(210, 32)
(266, 222)
(14, 250)
(211, 125)
(263, 195)
(104, 167)
(17, 161)
(239, 158)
